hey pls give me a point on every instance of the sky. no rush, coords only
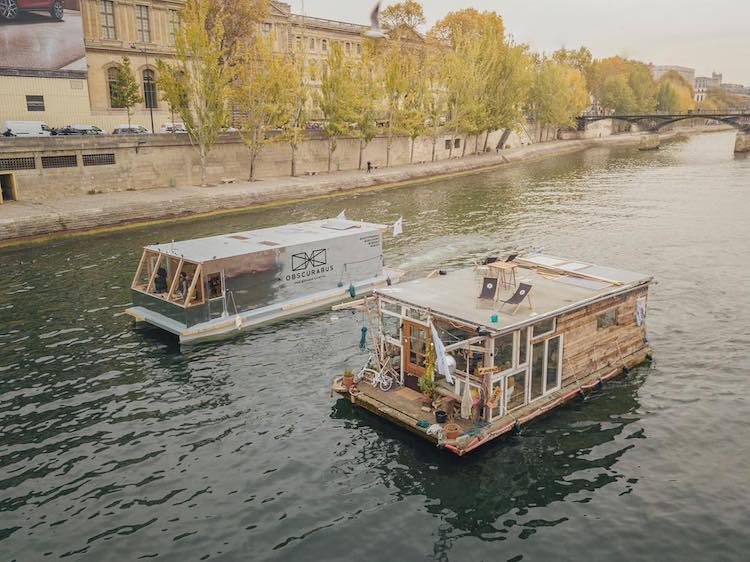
(706, 35)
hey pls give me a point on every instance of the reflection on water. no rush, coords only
(114, 444)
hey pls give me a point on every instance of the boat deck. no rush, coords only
(403, 406)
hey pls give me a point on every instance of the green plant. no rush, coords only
(428, 386)
(348, 373)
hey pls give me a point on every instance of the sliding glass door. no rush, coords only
(546, 362)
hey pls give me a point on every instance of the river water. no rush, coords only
(116, 445)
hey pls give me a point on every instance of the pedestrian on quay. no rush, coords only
(369, 166)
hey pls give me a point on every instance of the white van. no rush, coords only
(176, 127)
(25, 129)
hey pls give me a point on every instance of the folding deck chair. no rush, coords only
(521, 293)
(489, 289)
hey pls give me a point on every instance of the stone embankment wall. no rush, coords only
(53, 167)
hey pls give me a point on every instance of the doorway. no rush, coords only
(8, 191)
(415, 353)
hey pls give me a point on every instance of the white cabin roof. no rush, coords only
(562, 285)
(250, 241)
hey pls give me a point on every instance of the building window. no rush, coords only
(142, 24)
(542, 328)
(312, 43)
(35, 103)
(324, 45)
(348, 48)
(606, 319)
(447, 144)
(149, 89)
(457, 143)
(266, 29)
(174, 24)
(359, 48)
(107, 14)
(112, 84)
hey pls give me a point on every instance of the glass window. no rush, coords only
(543, 327)
(606, 319)
(515, 391)
(149, 89)
(391, 326)
(348, 47)
(214, 286)
(312, 43)
(523, 346)
(35, 103)
(537, 370)
(174, 24)
(107, 19)
(142, 24)
(359, 49)
(447, 144)
(503, 357)
(324, 45)
(112, 84)
(553, 364)
(457, 143)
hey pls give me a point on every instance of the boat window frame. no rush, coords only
(545, 357)
(186, 303)
(196, 277)
(537, 337)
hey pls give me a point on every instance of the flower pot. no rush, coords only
(348, 380)
(441, 416)
(451, 430)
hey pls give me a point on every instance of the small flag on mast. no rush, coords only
(398, 226)
(342, 215)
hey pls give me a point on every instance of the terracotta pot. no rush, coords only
(348, 380)
(451, 430)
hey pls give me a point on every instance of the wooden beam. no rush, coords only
(581, 274)
(197, 275)
(138, 271)
(153, 274)
(173, 286)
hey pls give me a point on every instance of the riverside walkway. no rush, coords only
(24, 221)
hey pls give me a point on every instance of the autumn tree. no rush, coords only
(558, 95)
(296, 108)
(260, 94)
(125, 91)
(337, 97)
(458, 26)
(407, 14)
(202, 74)
(238, 21)
(368, 84)
(675, 93)
(435, 93)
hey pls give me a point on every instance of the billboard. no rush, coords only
(41, 37)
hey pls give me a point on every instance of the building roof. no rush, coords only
(557, 284)
(250, 241)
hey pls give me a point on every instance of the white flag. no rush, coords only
(342, 215)
(398, 226)
(440, 363)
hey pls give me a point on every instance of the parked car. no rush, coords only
(130, 130)
(172, 127)
(9, 9)
(78, 129)
(25, 128)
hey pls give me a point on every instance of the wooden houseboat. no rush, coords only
(212, 287)
(462, 357)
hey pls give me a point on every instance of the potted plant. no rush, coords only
(348, 379)
(452, 430)
(428, 386)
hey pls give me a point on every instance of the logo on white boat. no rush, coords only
(303, 260)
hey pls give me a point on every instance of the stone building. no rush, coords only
(144, 30)
(657, 71)
(703, 83)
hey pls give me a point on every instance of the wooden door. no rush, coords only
(415, 350)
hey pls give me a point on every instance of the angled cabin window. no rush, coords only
(145, 270)
(186, 288)
(543, 328)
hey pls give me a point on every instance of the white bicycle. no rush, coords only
(382, 378)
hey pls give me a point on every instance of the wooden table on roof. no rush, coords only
(505, 271)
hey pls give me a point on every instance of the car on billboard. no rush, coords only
(25, 129)
(9, 9)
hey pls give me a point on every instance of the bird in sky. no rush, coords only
(375, 32)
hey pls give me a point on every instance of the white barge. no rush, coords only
(212, 287)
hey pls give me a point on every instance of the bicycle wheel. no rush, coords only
(366, 374)
(386, 382)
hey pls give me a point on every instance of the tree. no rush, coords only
(125, 90)
(296, 108)
(337, 98)
(558, 94)
(682, 97)
(406, 14)
(238, 20)
(643, 87)
(459, 25)
(202, 73)
(399, 68)
(368, 93)
(260, 94)
(435, 94)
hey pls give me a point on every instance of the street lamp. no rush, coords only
(149, 103)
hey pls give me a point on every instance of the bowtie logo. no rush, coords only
(304, 260)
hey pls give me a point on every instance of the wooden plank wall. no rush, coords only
(587, 349)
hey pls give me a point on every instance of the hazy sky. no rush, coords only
(706, 35)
